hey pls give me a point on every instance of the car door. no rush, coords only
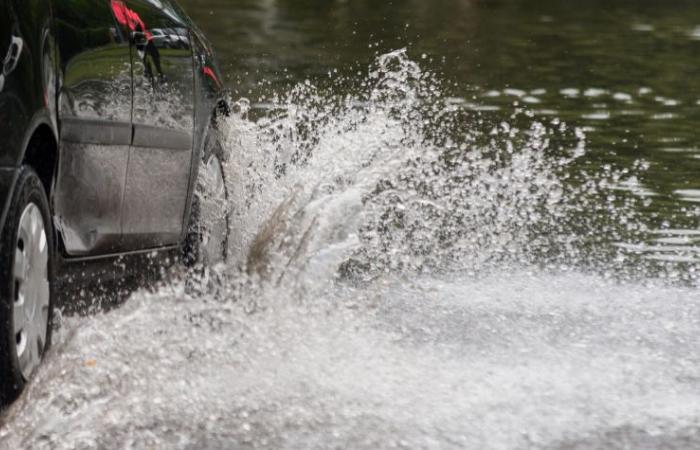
(95, 108)
(163, 114)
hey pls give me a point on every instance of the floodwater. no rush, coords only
(456, 224)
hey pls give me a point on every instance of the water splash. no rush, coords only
(396, 177)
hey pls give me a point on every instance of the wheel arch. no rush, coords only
(41, 153)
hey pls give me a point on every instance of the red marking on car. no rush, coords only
(210, 73)
(129, 18)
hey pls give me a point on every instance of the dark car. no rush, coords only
(108, 130)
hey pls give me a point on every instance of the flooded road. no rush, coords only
(455, 237)
(512, 360)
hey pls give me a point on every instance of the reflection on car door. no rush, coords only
(161, 155)
(95, 107)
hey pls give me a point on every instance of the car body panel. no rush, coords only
(94, 102)
(163, 115)
(13, 112)
(29, 80)
(26, 84)
(126, 164)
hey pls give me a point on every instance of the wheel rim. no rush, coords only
(32, 292)
(213, 213)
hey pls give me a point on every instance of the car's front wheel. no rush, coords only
(207, 238)
(26, 294)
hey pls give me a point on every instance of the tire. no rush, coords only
(208, 233)
(26, 285)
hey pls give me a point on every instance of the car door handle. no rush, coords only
(12, 56)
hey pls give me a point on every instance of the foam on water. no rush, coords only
(398, 278)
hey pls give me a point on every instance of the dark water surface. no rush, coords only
(626, 72)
